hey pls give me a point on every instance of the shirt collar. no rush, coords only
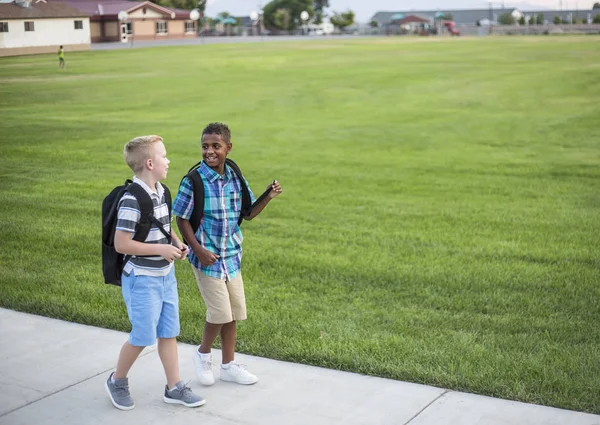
(159, 189)
(212, 175)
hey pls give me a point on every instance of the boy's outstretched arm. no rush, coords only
(276, 190)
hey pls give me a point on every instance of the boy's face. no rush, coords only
(159, 161)
(214, 151)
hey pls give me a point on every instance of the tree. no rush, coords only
(283, 19)
(506, 19)
(539, 19)
(557, 20)
(596, 6)
(319, 7)
(521, 20)
(178, 4)
(374, 24)
(449, 16)
(596, 19)
(294, 8)
(531, 20)
(342, 20)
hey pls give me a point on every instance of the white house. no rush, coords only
(31, 27)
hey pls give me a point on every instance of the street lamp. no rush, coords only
(304, 16)
(254, 18)
(123, 17)
(194, 16)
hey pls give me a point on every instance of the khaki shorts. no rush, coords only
(225, 300)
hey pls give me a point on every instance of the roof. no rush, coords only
(111, 8)
(471, 16)
(39, 10)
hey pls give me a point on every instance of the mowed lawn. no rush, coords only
(440, 216)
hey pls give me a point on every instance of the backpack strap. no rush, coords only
(147, 214)
(247, 205)
(246, 199)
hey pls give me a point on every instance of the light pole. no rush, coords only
(194, 16)
(123, 17)
(254, 19)
(491, 17)
(304, 17)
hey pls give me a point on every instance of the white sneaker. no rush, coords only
(203, 369)
(238, 373)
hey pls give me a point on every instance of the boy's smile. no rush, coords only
(214, 151)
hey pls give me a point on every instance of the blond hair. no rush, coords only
(138, 150)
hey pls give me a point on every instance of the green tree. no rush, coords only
(596, 6)
(596, 19)
(521, 20)
(539, 19)
(342, 20)
(374, 24)
(283, 19)
(294, 8)
(178, 4)
(506, 19)
(449, 16)
(531, 20)
(557, 20)
(319, 8)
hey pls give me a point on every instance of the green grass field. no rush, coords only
(440, 216)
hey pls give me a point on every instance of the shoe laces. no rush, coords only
(184, 391)
(241, 366)
(122, 390)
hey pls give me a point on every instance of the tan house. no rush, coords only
(30, 27)
(145, 20)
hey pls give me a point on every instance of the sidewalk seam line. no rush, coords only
(429, 404)
(65, 388)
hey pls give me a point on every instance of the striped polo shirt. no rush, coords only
(128, 216)
(218, 232)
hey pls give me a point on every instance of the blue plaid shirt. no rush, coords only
(218, 231)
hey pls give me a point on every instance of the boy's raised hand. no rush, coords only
(277, 190)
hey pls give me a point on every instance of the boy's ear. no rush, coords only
(149, 164)
(229, 146)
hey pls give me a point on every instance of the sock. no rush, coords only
(112, 378)
(204, 356)
(225, 366)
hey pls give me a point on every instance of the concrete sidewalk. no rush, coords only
(53, 372)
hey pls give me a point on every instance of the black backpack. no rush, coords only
(112, 261)
(198, 188)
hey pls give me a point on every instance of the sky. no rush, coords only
(364, 10)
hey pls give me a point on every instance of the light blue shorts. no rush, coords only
(152, 306)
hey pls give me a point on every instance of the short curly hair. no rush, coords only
(220, 129)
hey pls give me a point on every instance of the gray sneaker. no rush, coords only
(182, 394)
(119, 393)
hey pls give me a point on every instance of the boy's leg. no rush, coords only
(141, 295)
(128, 355)
(167, 351)
(230, 369)
(176, 391)
(228, 334)
(211, 330)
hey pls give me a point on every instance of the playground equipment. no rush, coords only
(451, 27)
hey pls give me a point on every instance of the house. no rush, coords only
(145, 20)
(31, 27)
